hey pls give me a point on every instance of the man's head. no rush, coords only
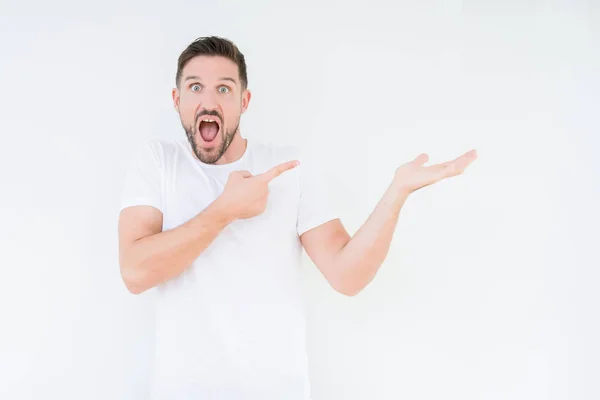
(211, 94)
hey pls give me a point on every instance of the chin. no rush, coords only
(208, 152)
(208, 157)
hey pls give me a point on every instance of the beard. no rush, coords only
(213, 154)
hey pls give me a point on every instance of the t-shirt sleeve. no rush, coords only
(316, 205)
(142, 184)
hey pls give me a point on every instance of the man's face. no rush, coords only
(210, 101)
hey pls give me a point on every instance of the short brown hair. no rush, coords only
(213, 46)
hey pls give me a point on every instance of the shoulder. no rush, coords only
(276, 152)
(158, 150)
(272, 154)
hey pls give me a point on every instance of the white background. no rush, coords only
(490, 290)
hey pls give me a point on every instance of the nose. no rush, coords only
(209, 101)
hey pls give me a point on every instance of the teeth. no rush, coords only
(208, 120)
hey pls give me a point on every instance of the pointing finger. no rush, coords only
(278, 170)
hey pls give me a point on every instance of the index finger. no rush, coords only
(278, 170)
(456, 166)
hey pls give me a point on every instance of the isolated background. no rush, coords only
(490, 290)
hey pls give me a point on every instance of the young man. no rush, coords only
(217, 223)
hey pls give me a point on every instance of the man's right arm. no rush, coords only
(148, 256)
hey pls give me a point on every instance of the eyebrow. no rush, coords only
(225, 78)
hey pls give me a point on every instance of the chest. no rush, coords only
(189, 191)
(255, 259)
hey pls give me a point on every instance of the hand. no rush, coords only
(245, 195)
(414, 175)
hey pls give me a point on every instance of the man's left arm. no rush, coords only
(349, 263)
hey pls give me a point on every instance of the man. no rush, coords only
(217, 223)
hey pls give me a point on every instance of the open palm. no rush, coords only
(414, 175)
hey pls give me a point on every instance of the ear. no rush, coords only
(175, 94)
(245, 100)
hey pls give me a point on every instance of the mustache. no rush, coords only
(213, 113)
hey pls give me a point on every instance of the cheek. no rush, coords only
(232, 109)
(186, 105)
(187, 109)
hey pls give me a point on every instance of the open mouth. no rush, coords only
(209, 129)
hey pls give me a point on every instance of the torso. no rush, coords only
(232, 325)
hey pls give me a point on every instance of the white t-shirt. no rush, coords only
(232, 326)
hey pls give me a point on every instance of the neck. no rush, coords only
(235, 151)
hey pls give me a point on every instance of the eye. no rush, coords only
(223, 89)
(195, 87)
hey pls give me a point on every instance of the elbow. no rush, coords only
(133, 288)
(134, 273)
(348, 287)
(350, 282)
(133, 281)
(348, 292)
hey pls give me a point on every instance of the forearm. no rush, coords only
(359, 260)
(158, 258)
